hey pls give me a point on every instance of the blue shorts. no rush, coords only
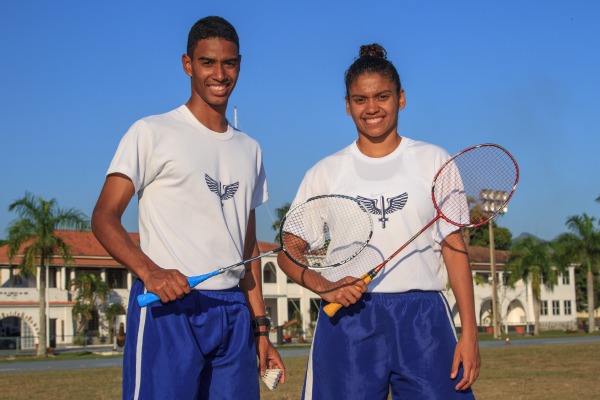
(198, 347)
(403, 342)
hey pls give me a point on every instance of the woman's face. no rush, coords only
(373, 102)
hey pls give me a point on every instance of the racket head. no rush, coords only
(475, 185)
(325, 231)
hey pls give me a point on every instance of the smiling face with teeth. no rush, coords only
(214, 70)
(373, 102)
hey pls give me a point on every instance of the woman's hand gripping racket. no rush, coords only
(323, 232)
(471, 188)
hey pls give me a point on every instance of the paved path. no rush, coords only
(115, 362)
(540, 341)
(54, 365)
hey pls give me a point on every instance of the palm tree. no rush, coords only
(111, 313)
(281, 212)
(35, 230)
(582, 246)
(92, 293)
(532, 261)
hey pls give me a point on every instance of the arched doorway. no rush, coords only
(485, 313)
(16, 333)
(516, 316)
(10, 333)
(269, 273)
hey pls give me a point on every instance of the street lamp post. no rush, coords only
(47, 308)
(494, 201)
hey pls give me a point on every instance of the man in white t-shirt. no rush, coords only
(198, 181)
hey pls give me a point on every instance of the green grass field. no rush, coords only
(510, 372)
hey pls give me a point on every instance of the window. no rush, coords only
(90, 271)
(293, 309)
(555, 307)
(544, 307)
(567, 307)
(314, 309)
(116, 278)
(18, 280)
(93, 323)
(269, 273)
(566, 279)
(483, 277)
(66, 278)
(52, 274)
(505, 278)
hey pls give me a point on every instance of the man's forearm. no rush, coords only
(116, 240)
(251, 285)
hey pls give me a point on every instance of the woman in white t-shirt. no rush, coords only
(397, 333)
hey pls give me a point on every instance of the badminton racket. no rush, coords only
(320, 233)
(470, 189)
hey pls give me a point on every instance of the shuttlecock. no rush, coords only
(271, 378)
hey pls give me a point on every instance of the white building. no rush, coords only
(19, 296)
(515, 305)
(285, 300)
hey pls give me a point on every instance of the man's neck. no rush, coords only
(211, 117)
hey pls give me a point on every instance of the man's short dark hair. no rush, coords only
(208, 28)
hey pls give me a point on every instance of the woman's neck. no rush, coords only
(378, 147)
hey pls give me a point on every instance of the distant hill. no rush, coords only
(527, 235)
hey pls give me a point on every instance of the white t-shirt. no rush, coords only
(196, 188)
(396, 189)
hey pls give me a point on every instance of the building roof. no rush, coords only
(85, 248)
(88, 252)
(266, 246)
(480, 257)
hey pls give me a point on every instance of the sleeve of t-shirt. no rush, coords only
(451, 200)
(311, 230)
(312, 185)
(261, 193)
(133, 157)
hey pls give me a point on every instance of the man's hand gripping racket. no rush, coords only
(461, 193)
(323, 232)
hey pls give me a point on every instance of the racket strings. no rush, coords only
(475, 185)
(326, 231)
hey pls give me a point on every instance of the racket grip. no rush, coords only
(148, 298)
(332, 308)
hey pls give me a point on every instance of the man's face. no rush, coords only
(214, 70)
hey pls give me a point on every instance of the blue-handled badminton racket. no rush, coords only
(323, 232)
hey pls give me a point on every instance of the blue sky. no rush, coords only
(524, 74)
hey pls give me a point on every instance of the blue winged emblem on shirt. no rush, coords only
(225, 192)
(393, 204)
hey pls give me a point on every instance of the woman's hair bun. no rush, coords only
(372, 50)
